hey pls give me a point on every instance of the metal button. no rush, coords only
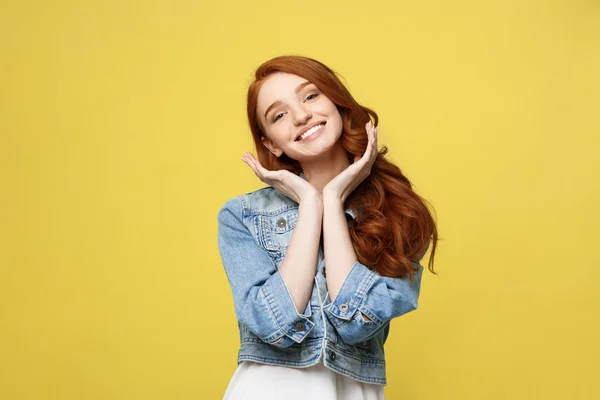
(344, 307)
(332, 356)
(281, 223)
(300, 326)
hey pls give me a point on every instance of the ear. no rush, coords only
(271, 146)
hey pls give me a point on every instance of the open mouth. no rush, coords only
(312, 131)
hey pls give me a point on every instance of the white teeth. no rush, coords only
(310, 131)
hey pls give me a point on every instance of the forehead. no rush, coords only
(277, 86)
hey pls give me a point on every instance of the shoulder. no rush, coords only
(263, 201)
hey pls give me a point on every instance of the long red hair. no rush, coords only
(393, 227)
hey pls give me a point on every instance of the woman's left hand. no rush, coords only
(349, 179)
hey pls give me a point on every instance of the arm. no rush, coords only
(267, 299)
(339, 252)
(363, 301)
(300, 263)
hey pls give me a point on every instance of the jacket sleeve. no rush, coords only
(378, 297)
(262, 301)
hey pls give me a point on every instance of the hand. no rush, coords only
(282, 180)
(349, 179)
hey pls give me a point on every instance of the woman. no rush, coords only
(321, 259)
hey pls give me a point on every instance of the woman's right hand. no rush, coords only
(284, 181)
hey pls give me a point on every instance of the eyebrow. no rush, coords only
(298, 89)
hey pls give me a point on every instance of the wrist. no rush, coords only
(332, 202)
(331, 198)
(312, 199)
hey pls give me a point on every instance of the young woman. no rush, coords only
(323, 258)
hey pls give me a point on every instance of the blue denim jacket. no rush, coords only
(254, 230)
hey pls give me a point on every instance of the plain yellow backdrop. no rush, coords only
(122, 127)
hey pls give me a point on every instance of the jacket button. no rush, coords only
(344, 307)
(300, 326)
(281, 223)
(332, 356)
(324, 272)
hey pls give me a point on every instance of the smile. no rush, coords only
(312, 131)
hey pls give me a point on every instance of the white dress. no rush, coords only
(255, 381)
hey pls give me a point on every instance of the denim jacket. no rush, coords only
(254, 230)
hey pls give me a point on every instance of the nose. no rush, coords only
(301, 115)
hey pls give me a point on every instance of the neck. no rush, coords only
(320, 171)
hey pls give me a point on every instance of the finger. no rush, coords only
(262, 172)
(371, 145)
(367, 154)
(252, 163)
(248, 157)
(371, 151)
(255, 165)
(375, 140)
(245, 159)
(357, 157)
(371, 131)
(371, 139)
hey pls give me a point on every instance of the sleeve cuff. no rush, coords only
(279, 300)
(348, 299)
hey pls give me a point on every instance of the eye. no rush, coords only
(278, 116)
(312, 96)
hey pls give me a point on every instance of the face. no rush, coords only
(297, 118)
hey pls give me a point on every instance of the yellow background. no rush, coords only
(122, 127)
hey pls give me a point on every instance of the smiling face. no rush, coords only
(297, 118)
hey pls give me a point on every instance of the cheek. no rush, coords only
(279, 135)
(334, 113)
(337, 119)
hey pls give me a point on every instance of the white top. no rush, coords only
(255, 381)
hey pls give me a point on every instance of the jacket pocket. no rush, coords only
(275, 231)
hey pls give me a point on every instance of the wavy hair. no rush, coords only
(393, 227)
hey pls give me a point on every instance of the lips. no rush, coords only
(308, 128)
